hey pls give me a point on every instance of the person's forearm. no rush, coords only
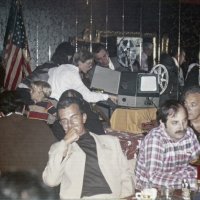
(52, 174)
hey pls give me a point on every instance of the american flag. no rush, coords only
(16, 53)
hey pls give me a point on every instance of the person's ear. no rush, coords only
(79, 63)
(84, 117)
(162, 124)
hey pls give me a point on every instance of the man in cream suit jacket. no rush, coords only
(86, 165)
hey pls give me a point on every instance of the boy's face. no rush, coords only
(36, 94)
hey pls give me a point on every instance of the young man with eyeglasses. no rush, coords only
(84, 164)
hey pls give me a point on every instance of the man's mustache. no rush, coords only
(181, 131)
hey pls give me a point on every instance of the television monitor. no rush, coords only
(147, 83)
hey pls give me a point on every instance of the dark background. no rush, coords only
(49, 22)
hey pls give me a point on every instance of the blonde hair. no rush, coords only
(42, 86)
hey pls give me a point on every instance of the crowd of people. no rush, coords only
(84, 161)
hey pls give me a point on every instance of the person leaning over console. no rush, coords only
(166, 152)
(68, 76)
(86, 165)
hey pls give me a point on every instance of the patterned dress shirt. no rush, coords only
(164, 162)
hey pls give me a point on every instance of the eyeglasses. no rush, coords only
(89, 62)
(73, 120)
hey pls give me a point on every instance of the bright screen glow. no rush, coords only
(148, 84)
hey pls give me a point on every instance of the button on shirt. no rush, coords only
(164, 162)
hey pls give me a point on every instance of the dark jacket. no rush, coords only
(172, 90)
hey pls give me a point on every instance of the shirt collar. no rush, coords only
(111, 66)
(176, 62)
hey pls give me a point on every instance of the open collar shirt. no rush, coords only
(69, 172)
(164, 162)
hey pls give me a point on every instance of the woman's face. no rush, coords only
(85, 66)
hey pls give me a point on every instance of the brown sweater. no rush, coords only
(24, 143)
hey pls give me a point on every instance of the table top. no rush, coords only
(177, 195)
(132, 120)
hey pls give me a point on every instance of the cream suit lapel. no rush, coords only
(75, 171)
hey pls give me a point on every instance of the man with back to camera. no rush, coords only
(179, 58)
(173, 62)
(84, 164)
(167, 151)
(146, 54)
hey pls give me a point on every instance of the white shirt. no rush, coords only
(111, 66)
(67, 77)
(144, 64)
(180, 72)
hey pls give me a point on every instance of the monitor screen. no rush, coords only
(147, 83)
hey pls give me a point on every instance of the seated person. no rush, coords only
(102, 59)
(166, 152)
(92, 123)
(84, 164)
(42, 108)
(18, 185)
(191, 99)
(66, 77)
(10, 103)
(24, 142)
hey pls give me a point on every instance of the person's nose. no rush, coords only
(70, 125)
(183, 125)
(186, 106)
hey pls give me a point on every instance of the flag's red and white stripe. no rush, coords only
(16, 66)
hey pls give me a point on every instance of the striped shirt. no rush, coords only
(164, 162)
(41, 110)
